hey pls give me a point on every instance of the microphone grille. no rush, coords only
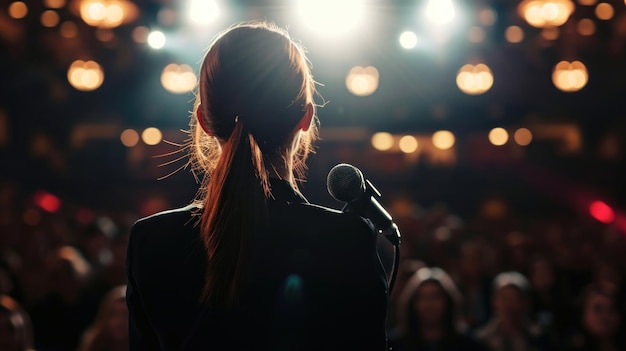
(345, 182)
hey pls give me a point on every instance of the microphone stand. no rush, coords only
(392, 234)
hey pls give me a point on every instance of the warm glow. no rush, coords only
(129, 137)
(18, 10)
(151, 136)
(541, 13)
(498, 136)
(85, 76)
(107, 13)
(440, 12)
(601, 212)
(68, 30)
(54, 4)
(476, 35)
(487, 17)
(586, 27)
(604, 11)
(362, 81)
(203, 12)
(550, 33)
(331, 18)
(523, 136)
(178, 79)
(408, 40)
(49, 18)
(587, 2)
(514, 34)
(443, 139)
(382, 141)
(140, 34)
(156, 39)
(474, 80)
(408, 144)
(570, 76)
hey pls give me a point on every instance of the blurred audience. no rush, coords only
(429, 315)
(109, 332)
(15, 329)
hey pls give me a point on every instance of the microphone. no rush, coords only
(346, 183)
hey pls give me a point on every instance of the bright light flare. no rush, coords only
(331, 18)
(542, 13)
(570, 76)
(440, 12)
(156, 39)
(85, 75)
(203, 12)
(474, 79)
(408, 40)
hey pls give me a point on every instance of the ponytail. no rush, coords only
(234, 209)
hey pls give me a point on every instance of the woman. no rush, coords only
(252, 265)
(109, 332)
(428, 315)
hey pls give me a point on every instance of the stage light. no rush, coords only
(156, 39)
(408, 144)
(129, 137)
(107, 13)
(541, 13)
(203, 12)
(440, 12)
(498, 136)
(331, 18)
(362, 81)
(604, 11)
(68, 30)
(382, 141)
(474, 80)
(49, 18)
(523, 136)
(586, 27)
(85, 76)
(18, 10)
(178, 79)
(514, 34)
(151, 136)
(443, 139)
(570, 76)
(408, 40)
(601, 212)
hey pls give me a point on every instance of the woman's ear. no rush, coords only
(202, 121)
(305, 122)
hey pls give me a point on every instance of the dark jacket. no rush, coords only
(316, 283)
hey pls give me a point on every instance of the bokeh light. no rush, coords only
(487, 17)
(156, 39)
(443, 139)
(604, 11)
(178, 79)
(514, 34)
(47, 201)
(586, 27)
(474, 79)
(54, 4)
(541, 13)
(408, 40)
(523, 136)
(107, 13)
(85, 75)
(498, 136)
(362, 81)
(587, 2)
(68, 30)
(408, 144)
(105, 35)
(382, 141)
(331, 18)
(440, 12)
(129, 137)
(151, 136)
(18, 9)
(476, 34)
(570, 76)
(601, 212)
(550, 33)
(140, 34)
(203, 12)
(49, 18)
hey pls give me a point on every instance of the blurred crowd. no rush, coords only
(502, 283)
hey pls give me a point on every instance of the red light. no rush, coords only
(602, 212)
(47, 201)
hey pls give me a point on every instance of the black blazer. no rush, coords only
(316, 283)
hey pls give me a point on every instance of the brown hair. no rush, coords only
(255, 86)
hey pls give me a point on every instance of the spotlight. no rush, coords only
(156, 39)
(331, 18)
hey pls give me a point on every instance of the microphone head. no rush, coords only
(345, 182)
